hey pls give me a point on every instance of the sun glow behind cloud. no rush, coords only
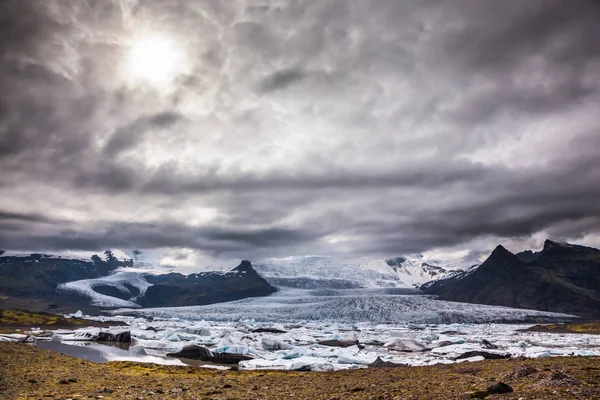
(155, 59)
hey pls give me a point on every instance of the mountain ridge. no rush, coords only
(561, 278)
(43, 281)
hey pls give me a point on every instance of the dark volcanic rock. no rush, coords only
(561, 278)
(499, 388)
(484, 354)
(268, 330)
(205, 288)
(379, 363)
(488, 345)
(339, 343)
(201, 353)
(123, 337)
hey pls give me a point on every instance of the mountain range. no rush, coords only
(319, 272)
(561, 278)
(41, 282)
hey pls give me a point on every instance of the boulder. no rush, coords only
(499, 388)
(484, 354)
(268, 330)
(379, 363)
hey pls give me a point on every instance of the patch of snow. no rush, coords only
(118, 280)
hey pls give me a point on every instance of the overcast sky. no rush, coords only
(266, 128)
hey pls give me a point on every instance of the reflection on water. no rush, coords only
(112, 351)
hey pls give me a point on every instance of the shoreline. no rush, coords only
(29, 372)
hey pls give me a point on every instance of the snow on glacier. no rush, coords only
(319, 271)
(374, 305)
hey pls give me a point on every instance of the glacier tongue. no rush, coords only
(348, 306)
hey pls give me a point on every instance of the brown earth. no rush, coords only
(27, 372)
(590, 328)
(20, 320)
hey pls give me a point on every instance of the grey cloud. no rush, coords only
(281, 79)
(126, 137)
(303, 126)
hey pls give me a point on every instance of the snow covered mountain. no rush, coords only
(113, 279)
(316, 272)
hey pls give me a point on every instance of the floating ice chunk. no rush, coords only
(361, 359)
(471, 359)
(310, 364)
(173, 338)
(586, 353)
(239, 349)
(273, 344)
(409, 345)
(544, 355)
(430, 338)
(258, 363)
(201, 329)
(157, 344)
(298, 352)
(523, 344)
(13, 337)
(198, 330)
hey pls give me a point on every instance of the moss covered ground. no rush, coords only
(11, 320)
(27, 372)
(592, 328)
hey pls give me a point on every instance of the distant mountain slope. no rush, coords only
(39, 281)
(39, 274)
(561, 278)
(316, 272)
(205, 288)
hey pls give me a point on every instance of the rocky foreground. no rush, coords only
(27, 372)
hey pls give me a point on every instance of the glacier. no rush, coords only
(351, 305)
(314, 272)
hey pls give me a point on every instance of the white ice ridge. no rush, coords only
(118, 280)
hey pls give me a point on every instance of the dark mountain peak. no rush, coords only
(245, 265)
(556, 249)
(550, 245)
(500, 261)
(500, 251)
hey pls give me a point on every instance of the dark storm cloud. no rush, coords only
(300, 126)
(12, 216)
(281, 79)
(214, 240)
(126, 137)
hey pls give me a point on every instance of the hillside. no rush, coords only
(561, 278)
(46, 282)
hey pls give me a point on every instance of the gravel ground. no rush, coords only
(27, 372)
